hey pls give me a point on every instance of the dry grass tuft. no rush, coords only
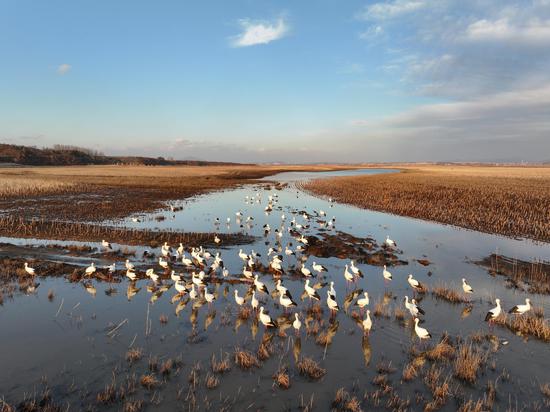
(442, 351)
(245, 359)
(163, 319)
(149, 381)
(308, 367)
(245, 312)
(108, 394)
(410, 372)
(212, 381)
(450, 295)
(133, 355)
(265, 350)
(528, 324)
(468, 361)
(133, 406)
(545, 389)
(343, 401)
(220, 366)
(381, 310)
(281, 378)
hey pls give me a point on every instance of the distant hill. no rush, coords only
(69, 156)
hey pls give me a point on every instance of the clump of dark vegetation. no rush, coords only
(345, 402)
(310, 368)
(450, 295)
(527, 325)
(134, 354)
(533, 277)
(245, 359)
(220, 366)
(469, 359)
(282, 378)
(149, 381)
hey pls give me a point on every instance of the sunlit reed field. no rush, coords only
(16, 186)
(508, 201)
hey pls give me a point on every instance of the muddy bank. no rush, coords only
(87, 232)
(533, 277)
(346, 246)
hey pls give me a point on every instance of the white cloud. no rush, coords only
(260, 32)
(532, 31)
(63, 68)
(388, 10)
(371, 32)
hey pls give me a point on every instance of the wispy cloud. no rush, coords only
(63, 69)
(391, 9)
(260, 32)
(532, 31)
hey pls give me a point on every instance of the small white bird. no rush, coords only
(318, 268)
(367, 323)
(248, 273)
(238, 299)
(520, 309)
(217, 240)
(163, 263)
(193, 293)
(466, 288)
(29, 269)
(111, 267)
(259, 285)
(129, 265)
(180, 250)
(266, 319)
(180, 287)
(174, 277)
(90, 269)
(286, 301)
(243, 255)
(305, 271)
(331, 303)
(296, 324)
(421, 332)
(131, 275)
(389, 242)
(332, 290)
(209, 296)
(355, 270)
(225, 272)
(387, 274)
(348, 275)
(495, 312)
(311, 292)
(415, 284)
(186, 261)
(364, 301)
(106, 244)
(414, 310)
(152, 275)
(254, 301)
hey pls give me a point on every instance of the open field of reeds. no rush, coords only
(98, 193)
(511, 201)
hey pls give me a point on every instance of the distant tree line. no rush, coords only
(69, 148)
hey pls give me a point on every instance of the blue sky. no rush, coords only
(274, 80)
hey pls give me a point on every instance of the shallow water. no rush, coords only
(74, 350)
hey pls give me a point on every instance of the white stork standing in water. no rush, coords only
(286, 301)
(296, 324)
(129, 265)
(106, 244)
(29, 270)
(174, 277)
(355, 270)
(266, 319)
(152, 275)
(367, 323)
(311, 292)
(254, 301)
(521, 309)
(90, 270)
(414, 310)
(209, 296)
(305, 271)
(163, 263)
(494, 313)
(217, 240)
(421, 332)
(331, 303)
(364, 301)
(389, 242)
(348, 276)
(318, 268)
(466, 287)
(415, 284)
(386, 274)
(260, 286)
(238, 299)
(112, 267)
(131, 275)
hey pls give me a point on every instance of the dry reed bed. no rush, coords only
(97, 193)
(511, 206)
(527, 325)
(536, 274)
(55, 230)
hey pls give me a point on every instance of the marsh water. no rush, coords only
(68, 341)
